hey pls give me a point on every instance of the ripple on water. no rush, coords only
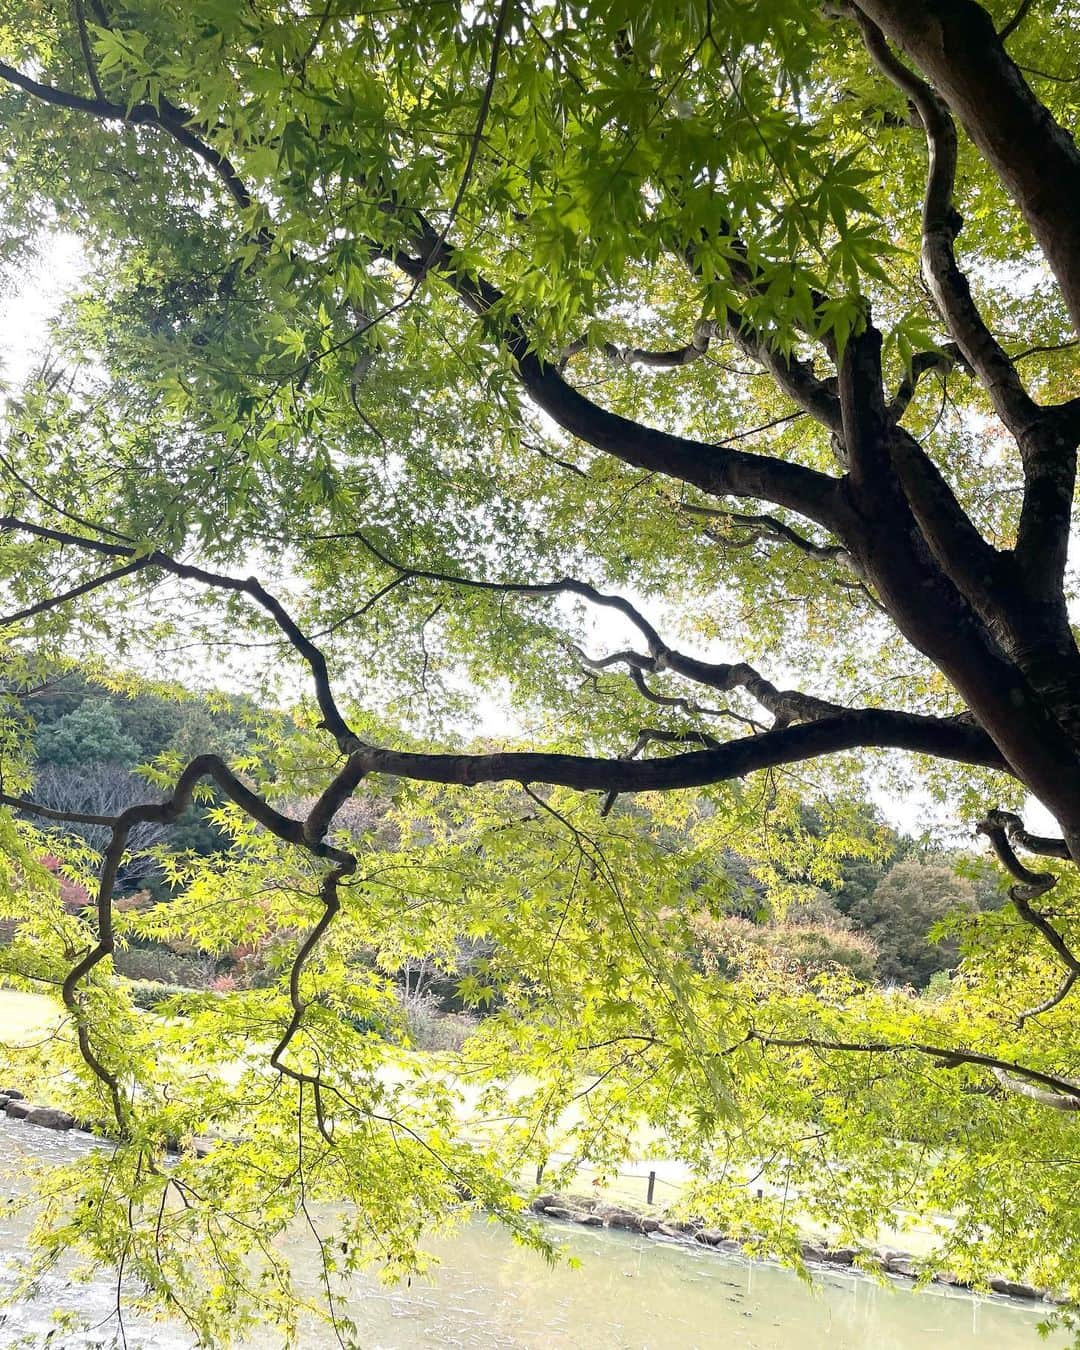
(629, 1294)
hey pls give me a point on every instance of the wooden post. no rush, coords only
(539, 1173)
(652, 1187)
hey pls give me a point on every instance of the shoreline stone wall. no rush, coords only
(589, 1212)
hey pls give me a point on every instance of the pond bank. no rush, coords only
(630, 1292)
(590, 1213)
(587, 1212)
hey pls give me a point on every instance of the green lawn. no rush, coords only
(24, 1015)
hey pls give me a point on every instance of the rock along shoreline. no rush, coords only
(588, 1212)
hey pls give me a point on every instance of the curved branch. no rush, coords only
(166, 812)
(333, 720)
(175, 121)
(1064, 1088)
(714, 470)
(704, 332)
(787, 705)
(33, 808)
(1002, 828)
(922, 364)
(717, 470)
(1017, 19)
(1057, 1101)
(954, 44)
(307, 834)
(771, 525)
(1059, 995)
(1043, 844)
(1047, 438)
(940, 225)
(560, 586)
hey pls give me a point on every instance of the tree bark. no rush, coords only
(955, 45)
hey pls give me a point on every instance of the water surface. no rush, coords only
(629, 1293)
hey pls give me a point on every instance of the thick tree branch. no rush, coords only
(925, 599)
(720, 471)
(940, 224)
(836, 730)
(954, 45)
(714, 470)
(1057, 1101)
(861, 728)
(983, 575)
(1046, 438)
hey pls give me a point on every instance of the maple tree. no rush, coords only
(411, 340)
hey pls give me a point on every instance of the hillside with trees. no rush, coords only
(878, 921)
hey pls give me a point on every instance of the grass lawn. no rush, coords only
(24, 1015)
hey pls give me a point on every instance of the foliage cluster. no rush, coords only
(590, 434)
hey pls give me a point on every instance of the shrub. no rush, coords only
(798, 951)
(149, 994)
(162, 965)
(429, 1029)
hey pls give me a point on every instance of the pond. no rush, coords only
(630, 1293)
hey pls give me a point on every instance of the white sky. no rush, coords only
(30, 300)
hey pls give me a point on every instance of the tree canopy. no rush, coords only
(589, 433)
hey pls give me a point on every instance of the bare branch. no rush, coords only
(1047, 438)
(88, 56)
(954, 44)
(1059, 995)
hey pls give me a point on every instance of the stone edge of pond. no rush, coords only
(588, 1212)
